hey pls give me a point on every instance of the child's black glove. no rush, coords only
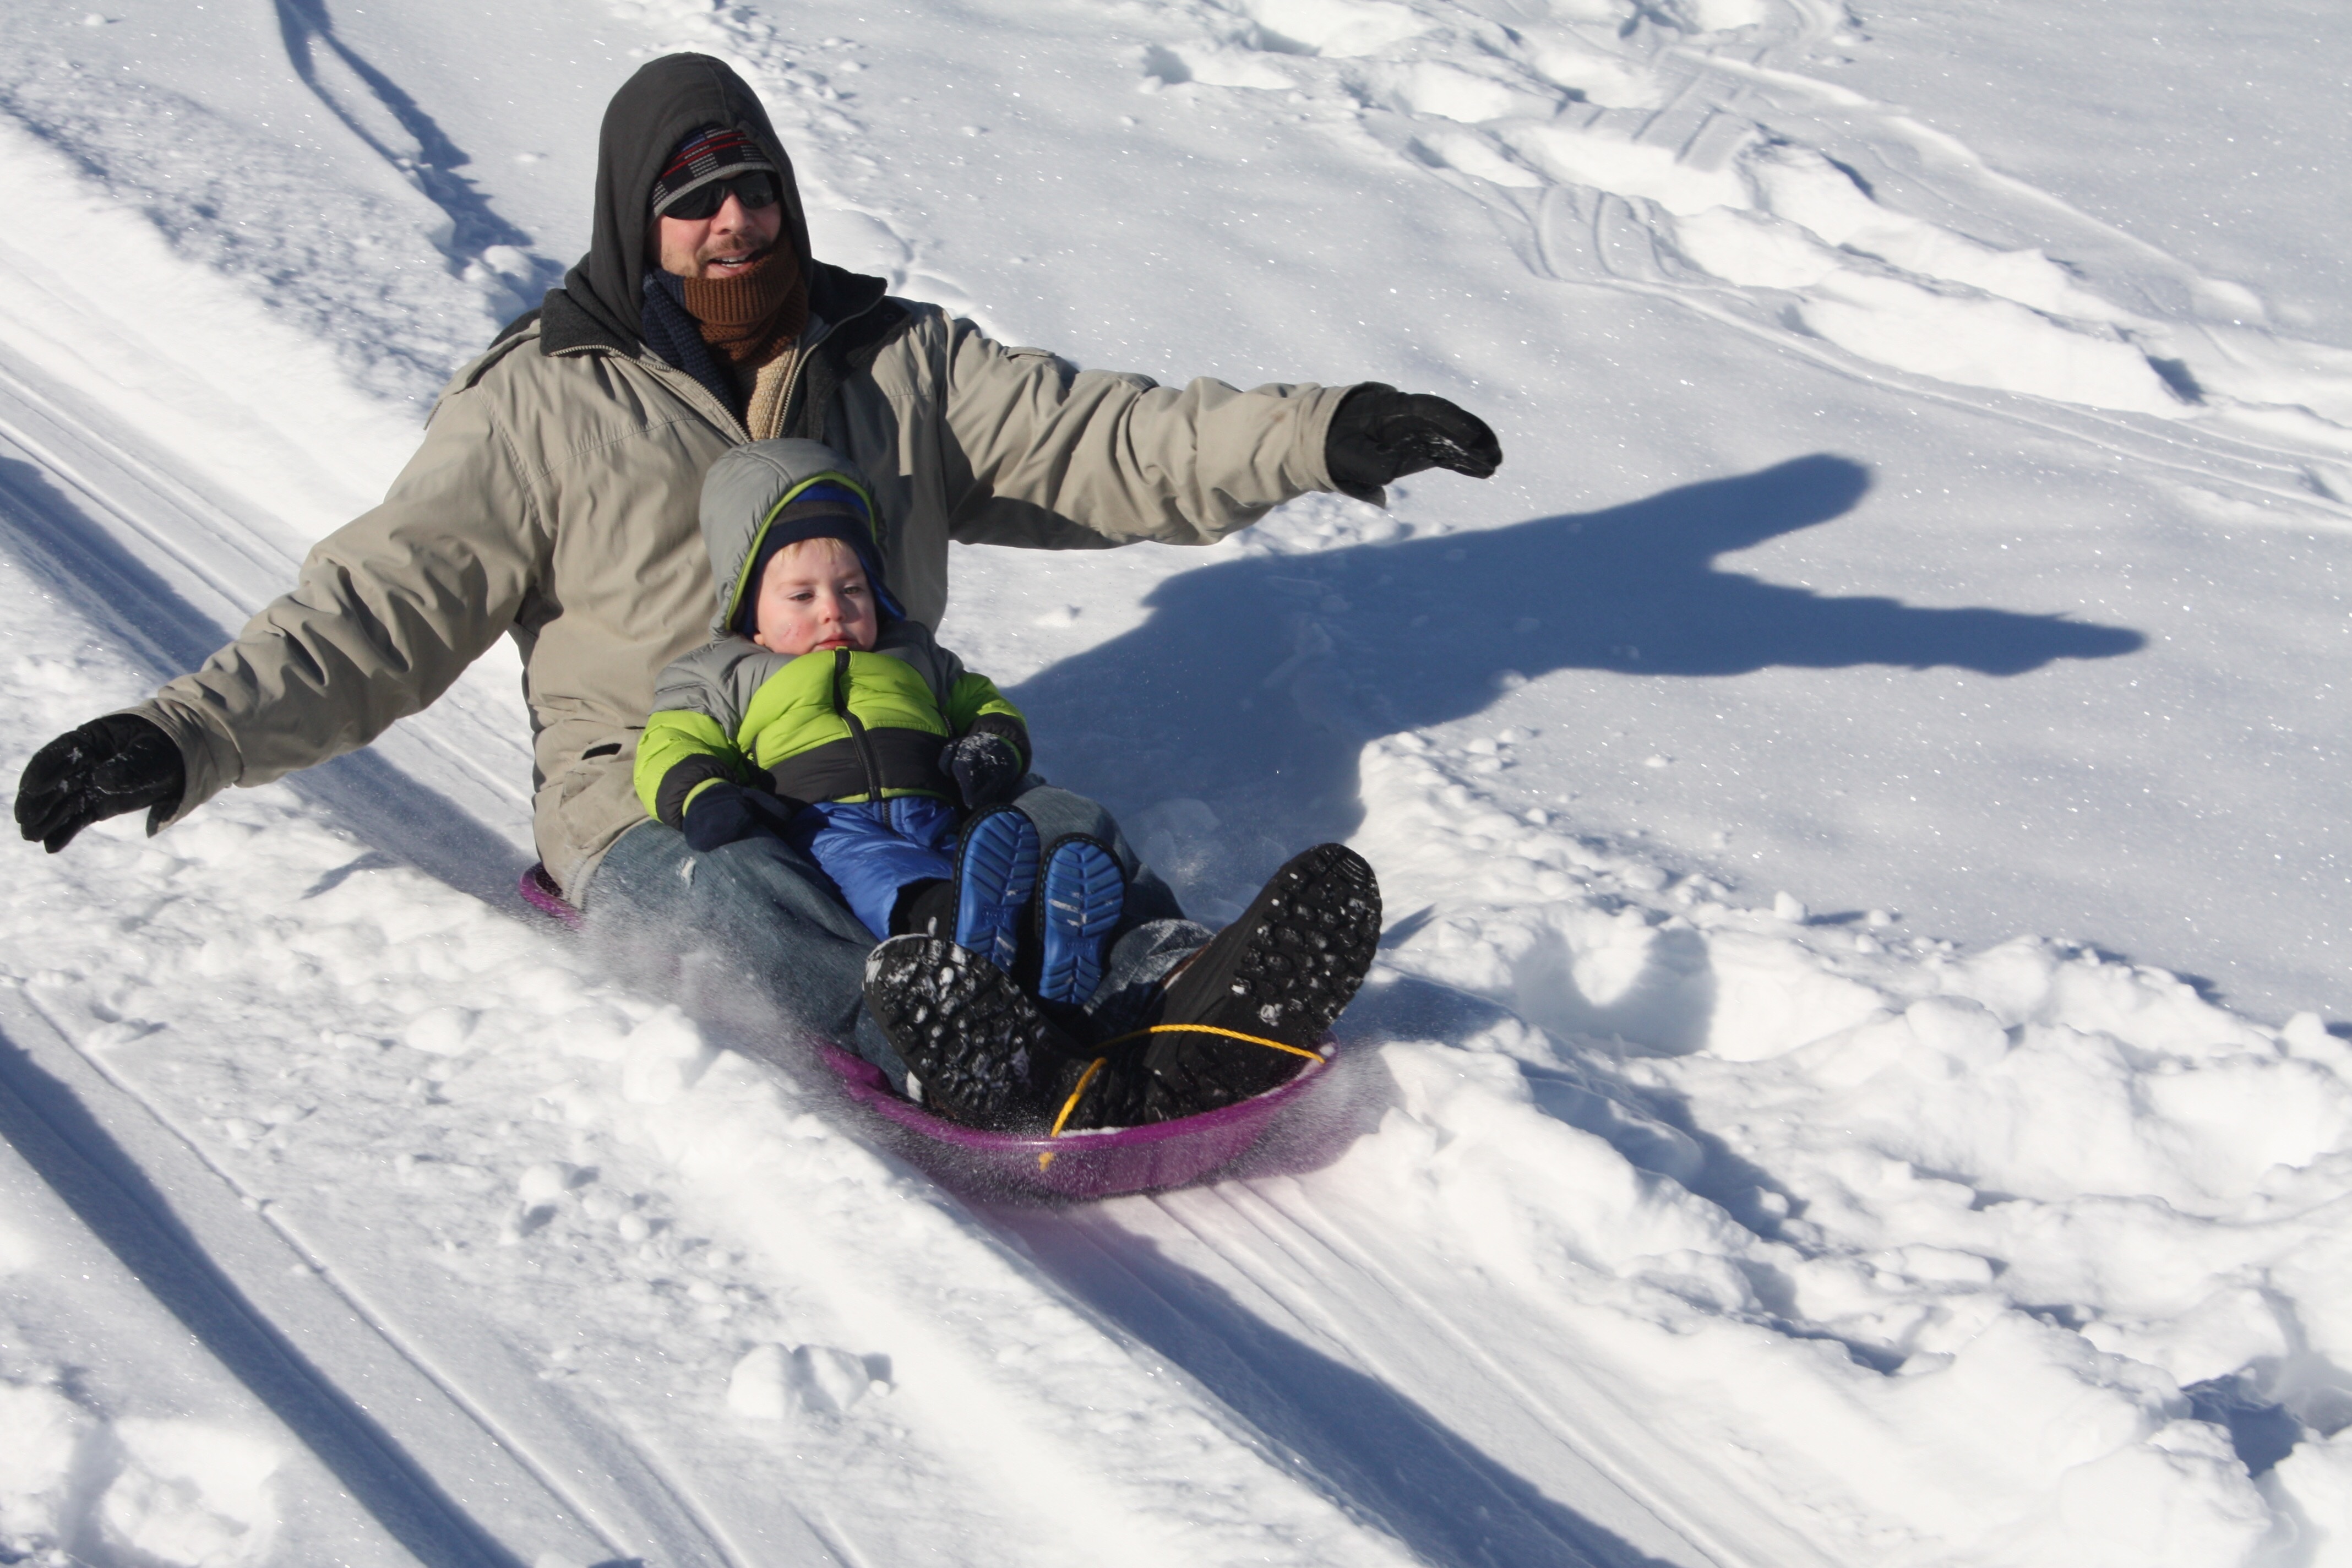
(986, 767)
(725, 812)
(1379, 435)
(110, 766)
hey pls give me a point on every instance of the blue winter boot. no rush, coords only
(1084, 892)
(996, 872)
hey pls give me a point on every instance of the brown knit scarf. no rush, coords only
(750, 317)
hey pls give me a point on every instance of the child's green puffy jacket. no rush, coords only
(836, 725)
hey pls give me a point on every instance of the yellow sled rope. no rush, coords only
(1070, 1106)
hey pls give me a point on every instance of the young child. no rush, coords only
(818, 712)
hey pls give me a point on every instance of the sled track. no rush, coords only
(460, 1477)
(1293, 1317)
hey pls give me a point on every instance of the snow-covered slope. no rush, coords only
(1929, 441)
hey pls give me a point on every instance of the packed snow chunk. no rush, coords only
(1449, 92)
(42, 1437)
(2305, 1035)
(2312, 1488)
(1610, 162)
(2179, 1501)
(2028, 980)
(1963, 1032)
(1601, 78)
(1973, 340)
(2235, 1327)
(18, 1251)
(667, 1054)
(543, 1183)
(597, 1033)
(1473, 1158)
(1714, 16)
(1803, 186)
(1771, 996)
(441, 1031)
(1212, 66)
(1339, 28)
(2062, 1113)
(2019, 1401)
(190, 1494)
(1474, 155)
(772, 1384)
(1611, 975)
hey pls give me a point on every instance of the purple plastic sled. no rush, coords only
(1095, 1164)
(539, 891)
(1098, 1164)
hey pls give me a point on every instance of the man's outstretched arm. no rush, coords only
(1053, 449)
(388, 612)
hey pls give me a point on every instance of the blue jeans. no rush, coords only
(750, 937)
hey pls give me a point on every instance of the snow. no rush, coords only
(1857, 1071)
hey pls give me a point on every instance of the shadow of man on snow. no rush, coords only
(1256, 681)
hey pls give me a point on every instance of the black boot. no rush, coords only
(1105, 1090)
(984, 1054)
(1282, 973)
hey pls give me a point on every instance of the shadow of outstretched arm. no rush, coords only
(1264, 676)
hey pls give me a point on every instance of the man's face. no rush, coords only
(719, 246)
(813, 595)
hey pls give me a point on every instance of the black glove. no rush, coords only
(110, 766)
(986, 767)
(1380, 433)
(726, 812)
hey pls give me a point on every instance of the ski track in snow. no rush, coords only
(351, 1216)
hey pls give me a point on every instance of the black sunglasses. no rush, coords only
(754, 190)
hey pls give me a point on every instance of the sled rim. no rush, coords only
(539, 891)
(1091, 1163)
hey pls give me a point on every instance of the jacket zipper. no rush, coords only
(857, 728)
(802, 354)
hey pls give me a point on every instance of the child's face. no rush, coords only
(813, 595)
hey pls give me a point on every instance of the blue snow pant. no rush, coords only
(872, 849)
(751, 939)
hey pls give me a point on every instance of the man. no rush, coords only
(553, 500)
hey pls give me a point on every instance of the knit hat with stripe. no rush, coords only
(712, 152)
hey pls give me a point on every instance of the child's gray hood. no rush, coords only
(744, 492)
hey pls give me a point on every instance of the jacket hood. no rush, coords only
(745, 493)
(649, 116)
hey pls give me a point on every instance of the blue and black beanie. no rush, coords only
(824, 510)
